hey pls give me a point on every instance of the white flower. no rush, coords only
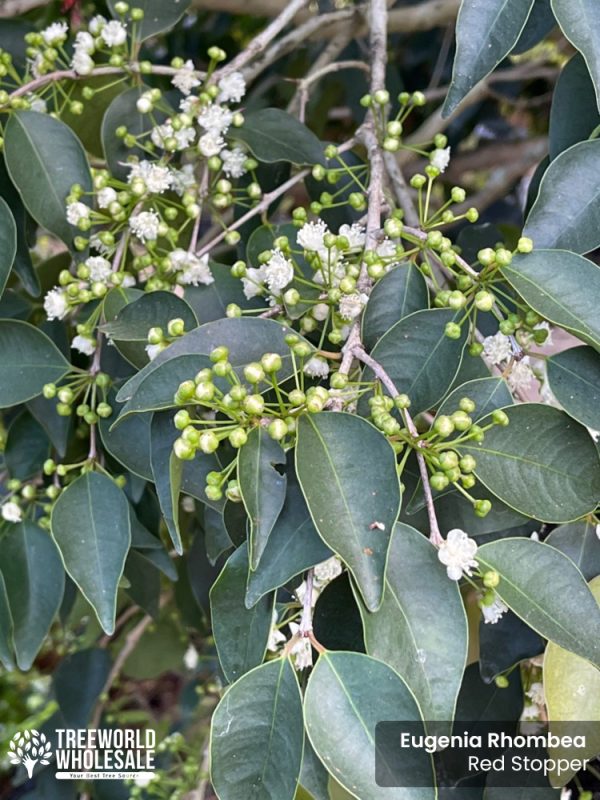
(530, 713)
(276, 637)
(84, 344)
(84, 43)
(160, 133)
(210, 144)
(536, 694)
(352, 304)
(497, 348)
(193, 270)
(310, 236)
(144, 779)
(77, 212)
(232, 88)
(233, 162)
(156, 178)
(37, 104)
(253, 282)
(594, 434)
(55, 33)
(82, 63)
(386, 249)
(302, 650)
(215, 119)
(535, 536)
(184, 178)
(127, 282)
(565, 794)
(55, 304)
(35, 65)
(493, 612)
(145, 225)
(278, 272)
(106, 196)
(11, 512)
(316, 367)
(190, 658)
(456, 553)
(189, 105)
(440, 158)
(153, 350)
(98, 245)
(320, 312)
(327, 571)
(99, 267)
(520, 375)
(96, 24)
(354, 233)
(186, 78)
(114, 33)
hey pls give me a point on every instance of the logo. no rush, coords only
(29, 748)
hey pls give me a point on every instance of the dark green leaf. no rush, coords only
(144, 582)
(421, 628)
(129, 443)
(486, 32)
(347, 695)
(347, 471)
(260, 716)
(577, 20)
(210, 302)
(167, 470)
(399, 293)
(539, 24)
(336, 619)
(34, 580)
(90, 524)
(45, 159)
(566, 213)
(488, 394)
(57, 428)
(29, 360)
(274, 135)
(159, 16)
(134, 321)
(241, 634)
(573, 114)
(27, 447)
(574, 377)
(578, 541)
(504, 644)
(6, 628)
(543, 464)
(262, 487)
(419, 358)
(8, 242)
(314, 776)
(545, 588)
(123, 111)
(78, 682)
(216, 537)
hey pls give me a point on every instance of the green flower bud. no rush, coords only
(467, 464)
(443, 425)
(254, 373)
(49, 466)
(222, 369)
(338, 380)
(277, 429)
(524, 245)
(104, 410)
(176, 327)
(466, 404)
(271, 362)
(457, 300)
(205, 392)
(183, 450)
(402, 401)
(381, 97)
(484, 300)
(182, 419)
(500, 417)
(208, 442)
(233, 310)
(462, 421)
(238, 438)
(452, 330)
(482, 507)
(49, 390)
(501, 681)
(458, 194)
(213, 493)
(155, 336)
(65, 395)
(219, 354)
(448, 460)
(254, 404)
(491, 579)
(472, 215)
(475, 349)
(439, 481)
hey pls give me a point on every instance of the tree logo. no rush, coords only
(29, 748)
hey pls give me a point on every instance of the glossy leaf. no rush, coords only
(34, 580)
(241, 634)
(22, 264)
(78, 682)
(399, 293)
(90, 525)
(159, 16)
(543, 587)
(45, 159)
(135, 319)
(562, 218)
(488, 394)
(6, 628)
(123, 111)
(577, 21)
(347, 472)
(8, 242)
(167, 471)
(337, 621)
(27, 447)
(129, 443)
(29, 360)
(260, 716)
(574, 378)
(421, 628)
(210, 302)
(486, 32)
(539, 24)
(578, 541)
(543, 464)
(505, 643)
(293, 546)
(574, 113)
(143, 577)
(274, 135)
(262, 487)
(419, 358)
(347, 695)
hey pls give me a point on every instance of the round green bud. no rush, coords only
(183, 450)
(394, 128)
(49, 466)
(525, 245)
(238, 438)
(491, 579)
(381, 97)
(468, 481)
(457, 300)
(314, 404)
(472, 215)
(448, 460)
(297, 397)
(418, 181)
(208, 442)
(205, 392)
(254, 404)
(484, 300)
(458, 194)
(104, 410)
(49, 390)
(271, 362)
(506, 327)
(500, 417)
(155, 336)
(213, 493)
(182, 419)
(452, 330)
(277, 429)
(486, 257)
(501, 682)
(475, 349)
(219, 354)
(439, 481)
(466, 404)
(443, 425)
(462, 421)
(338, 380)
(503, 257)
(366, 100)
(482, 507)
(418, 99)
(65, 395)
(233, 310)
(176, 327)
(467, 464)
(222, 369)
(254, 373)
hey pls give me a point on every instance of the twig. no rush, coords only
(306, 622)
(300, 99)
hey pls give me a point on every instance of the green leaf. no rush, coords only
(274, 135)
(572, 692)
(144, 582)
(129, 443)
(34, 580)
(57, 428)
(578, 541)
(8, 242)
(135, 319)
(27, 447)
(347, 695)
(44, 159)
(29, 360)
(6, 628)
(314, 776)
(123, 111)
(539, 24)
(260, 716)
(22, 265)
(488, 394)
(399, 293)
(293, 546)
(577, 19)
(210, 302)
(573, 113)
(78, 682)
(247, 339)
(566, 213)
(167, 471)
(545, 588)
(421, 628)
(419, 358)
(486, 32)
(241, 634)
(347, 471)
(504, 644)
(560, 286)
(90, 524)
(574, 377)
(337, 623)
(159, 16)
(262, 487)
(543, 464)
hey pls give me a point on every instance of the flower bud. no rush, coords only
(238, 438)
(491, 579)
(271, 362)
